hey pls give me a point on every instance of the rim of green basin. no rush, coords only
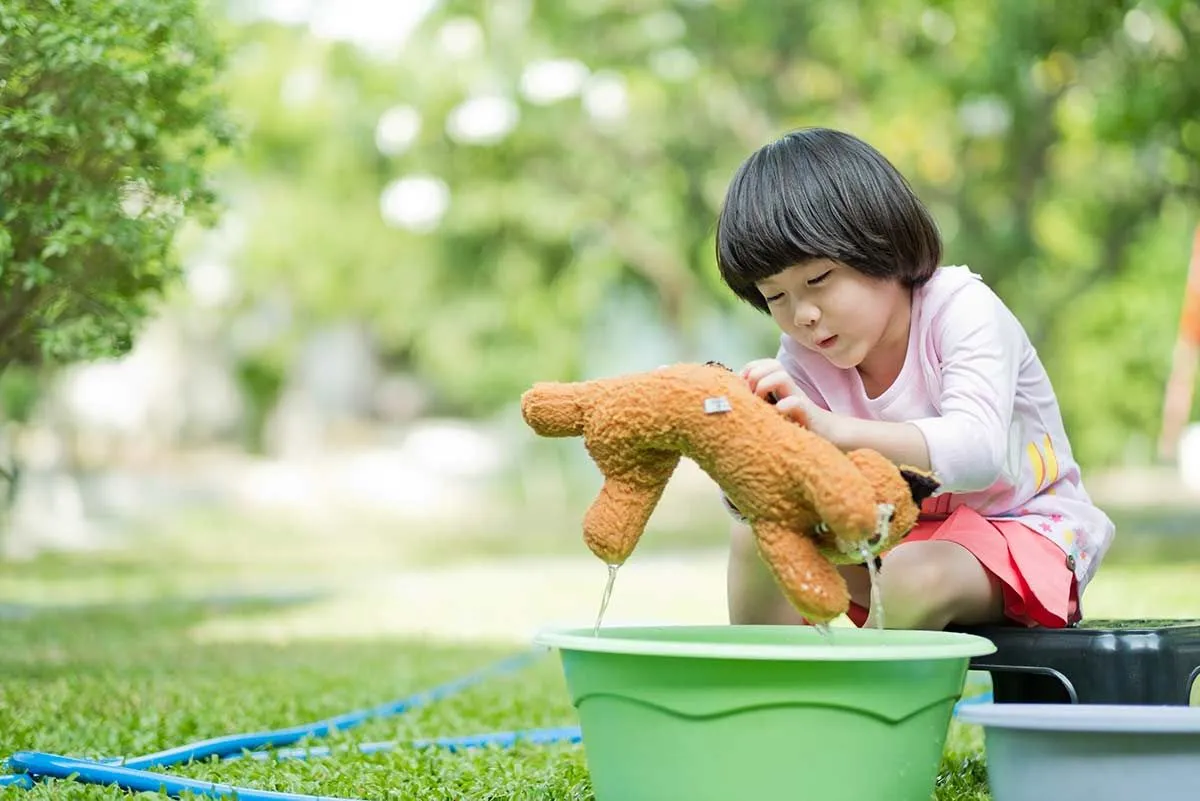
(791, 643)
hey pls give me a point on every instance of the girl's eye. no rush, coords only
(774, 298)
(819, 278)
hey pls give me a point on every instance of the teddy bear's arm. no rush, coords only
(617, 517)
(813, 585)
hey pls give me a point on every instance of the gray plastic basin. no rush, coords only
(1081, 752)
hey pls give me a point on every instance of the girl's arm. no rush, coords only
(903, 443)
(981, 344)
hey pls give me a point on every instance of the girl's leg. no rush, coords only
(931, 583)
(753, 596)
(926, 585)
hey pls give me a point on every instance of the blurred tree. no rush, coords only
(1073, 139)
(109, 115)
(479, 195)
(108, 118)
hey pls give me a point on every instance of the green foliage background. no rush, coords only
(109, 118)
(1059, 150)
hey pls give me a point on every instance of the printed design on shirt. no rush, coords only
(1074, 540)
(1077, 540)
(1044, 462)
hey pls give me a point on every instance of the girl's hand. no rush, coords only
(768, 380)
(800, 409)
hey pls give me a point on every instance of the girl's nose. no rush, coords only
(806, 314)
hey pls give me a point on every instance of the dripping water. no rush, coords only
(876, 593)
(825, 630)
(608, 588)
(883, 520)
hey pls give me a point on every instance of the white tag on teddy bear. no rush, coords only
(717, 405)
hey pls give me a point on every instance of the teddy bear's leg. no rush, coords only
(808, 579)
(617, 517)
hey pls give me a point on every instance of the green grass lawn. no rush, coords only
(107, 662)
(128, 680)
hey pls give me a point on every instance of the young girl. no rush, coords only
(883, 348)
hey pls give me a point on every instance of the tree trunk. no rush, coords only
(10, 484)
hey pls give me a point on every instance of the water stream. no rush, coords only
(608, 588)
(876, 616)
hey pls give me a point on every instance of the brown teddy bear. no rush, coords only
(810, 505)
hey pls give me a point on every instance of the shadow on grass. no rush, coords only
(249, 603)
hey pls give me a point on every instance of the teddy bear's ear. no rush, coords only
(921, 484)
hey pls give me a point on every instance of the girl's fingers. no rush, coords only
(795, 408)
(756, 370)
(779, 384)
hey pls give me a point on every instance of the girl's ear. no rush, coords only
(920, 483)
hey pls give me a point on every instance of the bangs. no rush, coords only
(821, 195)
(758, 236)
(777, 215)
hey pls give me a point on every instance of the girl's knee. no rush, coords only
(741, 541)
(927, 585)
(911, 590)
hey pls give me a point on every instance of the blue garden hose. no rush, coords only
(44, 765)
(237, 743)
(142, 781)
(226, 746)
(60, 767)
(499, 739)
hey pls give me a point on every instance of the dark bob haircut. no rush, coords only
(816, 193)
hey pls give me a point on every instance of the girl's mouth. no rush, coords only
(827, 342)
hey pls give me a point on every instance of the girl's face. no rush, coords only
(833, 309)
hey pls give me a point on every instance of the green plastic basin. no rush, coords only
(756, 712)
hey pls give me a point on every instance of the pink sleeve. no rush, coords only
(981, 344)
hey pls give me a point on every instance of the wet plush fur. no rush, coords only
(811, 506)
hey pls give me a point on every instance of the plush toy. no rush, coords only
(810, 505)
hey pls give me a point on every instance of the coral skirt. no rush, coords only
(1039, 586)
